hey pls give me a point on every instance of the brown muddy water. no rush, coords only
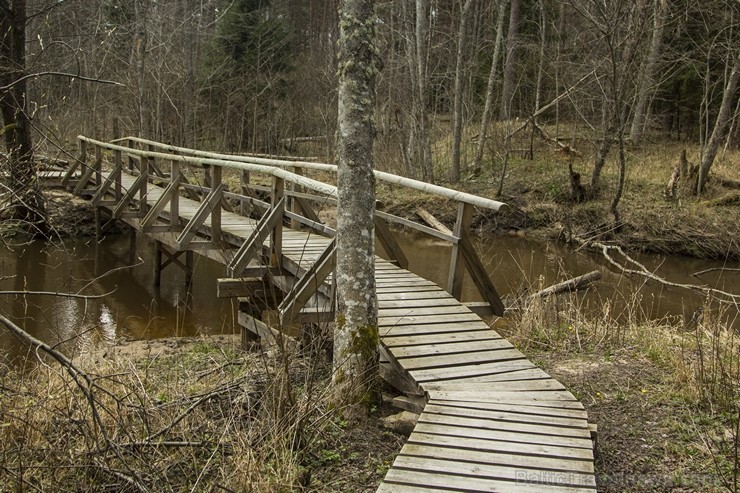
(132, 308)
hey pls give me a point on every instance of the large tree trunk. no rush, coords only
(488, 106)
(462, 38)
(26, 202)
(356, 333)
(720, 125)
(646, 83)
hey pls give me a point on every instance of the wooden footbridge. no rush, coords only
(490, 420)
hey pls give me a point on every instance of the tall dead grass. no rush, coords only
(700, 354)
(207, 418)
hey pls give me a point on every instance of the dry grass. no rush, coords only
(665, 393)
(206, 417)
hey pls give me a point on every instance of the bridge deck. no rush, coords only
(493, 421)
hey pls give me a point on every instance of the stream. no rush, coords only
(132, 308)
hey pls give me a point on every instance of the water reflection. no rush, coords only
(132, 307)
(122, 268)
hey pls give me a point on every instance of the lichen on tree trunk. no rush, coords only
(356, 332)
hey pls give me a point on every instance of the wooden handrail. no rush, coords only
(277, 172)
(380, 175)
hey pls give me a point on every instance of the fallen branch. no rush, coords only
(433, 221)
(722, 269)
(719, 295)
(56, 293)
(569, 285)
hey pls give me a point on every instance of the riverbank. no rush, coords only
(199, 413)
(538, 192)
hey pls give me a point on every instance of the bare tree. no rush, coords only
(646, 85)
(27, 201)
(720, 125)
(490, 88)
(462, 37)
(356, 334)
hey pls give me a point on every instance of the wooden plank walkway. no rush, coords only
(493, 421)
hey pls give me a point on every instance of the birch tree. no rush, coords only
(356, 333)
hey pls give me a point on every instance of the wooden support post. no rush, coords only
(457, 262)
(294, 205)
(98, 225)
(130, 143)
(244, 186)
(175, 198)
(98, 165)
(216, 211)
(276, 238)
(117, 162)
(144, 165)
(157, 263)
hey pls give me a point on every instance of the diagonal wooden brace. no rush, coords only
(128, 197)
(308, 284)
(389, 243)
(163, 202)
(261, 232)
(107, 183)
(87, 175)
(211, 201)
(480, 277)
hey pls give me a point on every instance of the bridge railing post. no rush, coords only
(175, 199)
(117, 163)
(216, 173)
(294, 205)
(244, 186)
(457, 261)
(144, 170)
(276, 237)
(131, 145)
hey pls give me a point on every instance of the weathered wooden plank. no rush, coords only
(555, 399)
(233, 288)
(417, 340)
(506, 386)
(472, 484)
(480, 456)
(440, 361)
(424, 288)
(495, 472)
(541, 431)
(427, 319)
(528, 374)
(434, 328)
(497, 368)
(423, 310)
(531, 449)
(510, 412)
(413, 295)
(449, 348)
(576, 413)
(386, 304)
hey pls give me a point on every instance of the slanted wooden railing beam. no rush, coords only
(309, 283)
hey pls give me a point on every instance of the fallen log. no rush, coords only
(574, 284)
(433, 221)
